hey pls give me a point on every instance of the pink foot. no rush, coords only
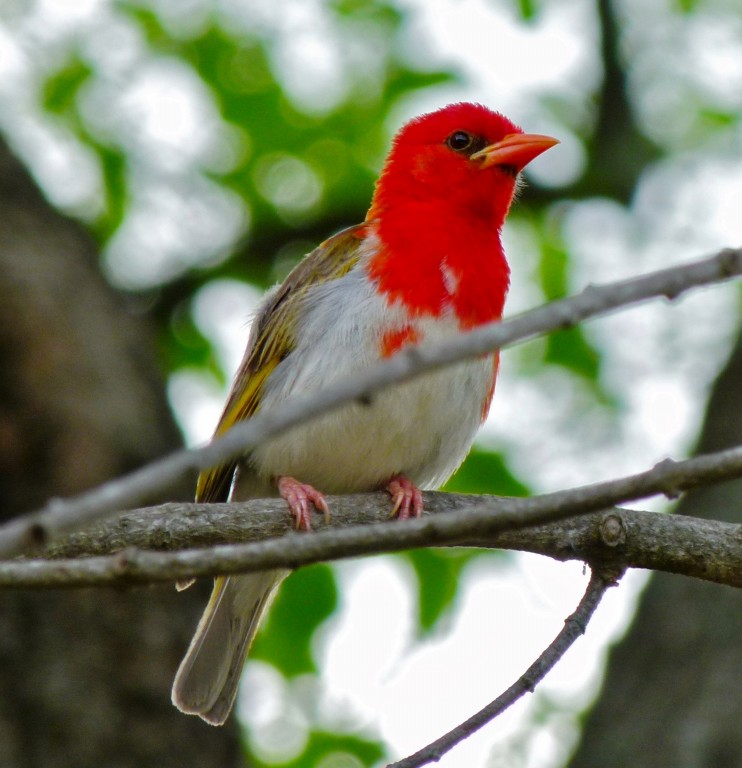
(407, 498)
(299, 496)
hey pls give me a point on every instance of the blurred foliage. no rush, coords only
(59, 97)
(59, 92)
(486, 471)
(568, 348)
(184, 346)
(301, 169)
(438, 573)
(528, 9)
(300, 174)
(333, 750)
(302, 604)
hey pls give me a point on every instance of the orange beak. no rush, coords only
(515, 150)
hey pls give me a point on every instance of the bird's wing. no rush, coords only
(272, 340)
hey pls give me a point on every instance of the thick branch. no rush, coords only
(616, 538)
(61, 516)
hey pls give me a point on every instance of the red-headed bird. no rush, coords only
(426, 264)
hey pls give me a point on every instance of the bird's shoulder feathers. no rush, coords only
(272, 339)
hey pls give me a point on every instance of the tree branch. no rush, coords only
(58, 516)
(574, 626)
(614, 538)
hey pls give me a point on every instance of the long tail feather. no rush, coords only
(208, 677)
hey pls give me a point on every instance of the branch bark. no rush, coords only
(58, 517)
(617, 538)
(546, 525)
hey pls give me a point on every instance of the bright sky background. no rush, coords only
(659, 359)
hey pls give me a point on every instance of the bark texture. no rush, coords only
(84, 677)
(672, 694)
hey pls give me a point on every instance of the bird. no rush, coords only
(426, 264)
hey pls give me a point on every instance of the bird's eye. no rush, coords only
(460, 141)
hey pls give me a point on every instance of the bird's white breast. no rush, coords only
(422, 429)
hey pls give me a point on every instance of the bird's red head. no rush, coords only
(465, 156)
(438, 208)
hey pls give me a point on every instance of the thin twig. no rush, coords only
(470, 524)
(574, 626)
(59, 516)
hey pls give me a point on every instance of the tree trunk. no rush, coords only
(84, 676)
(672, 694)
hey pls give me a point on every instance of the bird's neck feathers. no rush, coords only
(435, 258)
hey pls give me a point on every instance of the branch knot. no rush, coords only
(613, 530)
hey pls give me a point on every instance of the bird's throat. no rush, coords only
(441, 267)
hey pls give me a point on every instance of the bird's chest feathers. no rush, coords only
(422, 428)
(443, 274)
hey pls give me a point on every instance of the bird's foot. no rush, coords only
(407, 498)
(299, 496)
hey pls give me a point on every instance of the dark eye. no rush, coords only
(460, 141)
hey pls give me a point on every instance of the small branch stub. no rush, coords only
(730, 260)
(613, 530)
(669, 485)
(37, 537)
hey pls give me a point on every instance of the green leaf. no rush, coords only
(322, 744)
(401, 81)
(528, 9)
(553, 266)
(113, 165)
(148, 22)
(304, 601)
(570, 349)
(486, 471)
(60, 90)
(718, 119)
(438, 573)
(184, 346)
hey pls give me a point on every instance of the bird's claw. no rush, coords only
(407, 498)
(299, 496)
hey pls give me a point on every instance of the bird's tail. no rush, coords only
(207, 679)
